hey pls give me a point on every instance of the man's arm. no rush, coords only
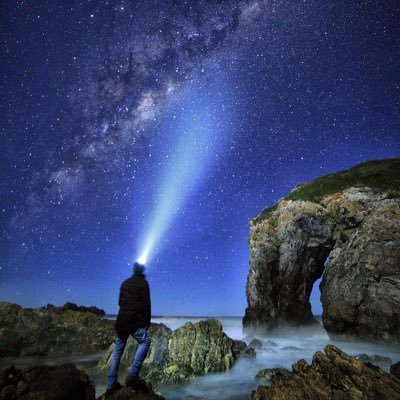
(147, 304)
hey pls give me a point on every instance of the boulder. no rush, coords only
(62, 382)
(268, 375)
(238, 348)
(380, 361)
(290, 348)
(52, 331)
(249, 353)
(332, 375)
(255, 344)
(196, 349)
(192, 350)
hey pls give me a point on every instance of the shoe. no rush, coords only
(117, 386)
(136, 383)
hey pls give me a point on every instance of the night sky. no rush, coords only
(177, 120)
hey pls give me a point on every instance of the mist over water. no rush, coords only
(237, 383)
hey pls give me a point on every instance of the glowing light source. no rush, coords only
(194, 150)
(142, 259)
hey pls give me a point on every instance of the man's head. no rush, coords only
(138, 268)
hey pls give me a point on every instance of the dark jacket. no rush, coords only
(134, 305)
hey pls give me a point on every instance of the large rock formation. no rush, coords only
(53, 331)
(331, 376)
(354, 231)
(63, 382)
(175, 356)
(360, 290)
(287, 253)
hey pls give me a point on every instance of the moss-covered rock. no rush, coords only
(200, 348)
(52, 331)
(192, 350)
(383, 175)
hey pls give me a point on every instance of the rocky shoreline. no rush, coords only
(332, 375)
(53, 331)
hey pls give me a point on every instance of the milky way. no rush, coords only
(97, 97)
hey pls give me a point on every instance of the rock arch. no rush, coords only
(287, 254)
(359, 228)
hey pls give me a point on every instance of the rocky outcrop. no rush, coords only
(287, 254)
(395, 370)
(175, 356)
(73, 307)
(52, 330)
(348, 235)
(268, 375)
(63, 382)
(380, 361)
(333, 375)
(360, 290)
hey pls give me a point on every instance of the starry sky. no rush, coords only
(123, 118)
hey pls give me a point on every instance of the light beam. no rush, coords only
(194, 150)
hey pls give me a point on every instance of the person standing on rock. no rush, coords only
(133, 319)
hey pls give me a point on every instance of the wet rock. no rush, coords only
(248, 338)
(288, 348)
(249, 353)
(192, 350)
(395, 370)
(63, 382)
(270, 343)
(375, 359)
(52, 331)
(255, 344)
(238, 347)
(268, 375)
(333, 375)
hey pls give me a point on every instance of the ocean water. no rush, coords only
(237, 383)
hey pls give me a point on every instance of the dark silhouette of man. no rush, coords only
(133, 319)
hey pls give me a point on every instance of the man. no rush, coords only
(133, 319)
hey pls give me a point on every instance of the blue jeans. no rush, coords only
(142, 337)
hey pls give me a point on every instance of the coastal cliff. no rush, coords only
(344, 227)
